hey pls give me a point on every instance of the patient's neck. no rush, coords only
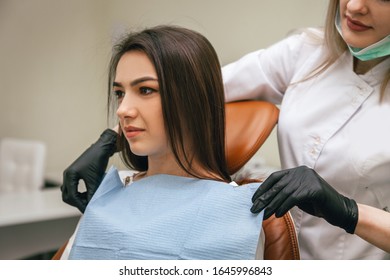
(165, 164)
(169, 165)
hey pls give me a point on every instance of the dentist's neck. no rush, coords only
(362, 67)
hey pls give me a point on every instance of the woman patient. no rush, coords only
(166, 87)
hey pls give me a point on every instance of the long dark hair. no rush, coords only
(192, 96)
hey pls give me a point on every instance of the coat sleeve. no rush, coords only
(264, 74)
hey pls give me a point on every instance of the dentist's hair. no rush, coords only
(192, 97)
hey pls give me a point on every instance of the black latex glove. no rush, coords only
(304, 188)
(90, 167)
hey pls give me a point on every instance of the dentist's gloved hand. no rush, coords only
(90, 167)
(304, 188)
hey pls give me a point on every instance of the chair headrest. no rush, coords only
(248, 125)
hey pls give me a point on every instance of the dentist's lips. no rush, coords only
(355, 25)
(131, 131)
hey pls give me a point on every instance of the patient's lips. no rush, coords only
(132, 131)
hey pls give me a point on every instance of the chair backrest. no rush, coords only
(22, 164)
(248, 124)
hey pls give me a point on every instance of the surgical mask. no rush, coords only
(378, 49)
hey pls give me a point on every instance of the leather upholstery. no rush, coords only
(281, 242)
(248, 125)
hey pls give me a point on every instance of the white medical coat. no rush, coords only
(333, 123)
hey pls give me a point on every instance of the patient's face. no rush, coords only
(139, 105)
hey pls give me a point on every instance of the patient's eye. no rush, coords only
(119, 94)
(146, 90)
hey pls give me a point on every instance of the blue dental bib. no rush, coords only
(168, 217)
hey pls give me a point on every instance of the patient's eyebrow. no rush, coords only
(143, 79)
(116, 84)
(136, 81)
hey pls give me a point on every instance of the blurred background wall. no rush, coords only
(54, 56)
